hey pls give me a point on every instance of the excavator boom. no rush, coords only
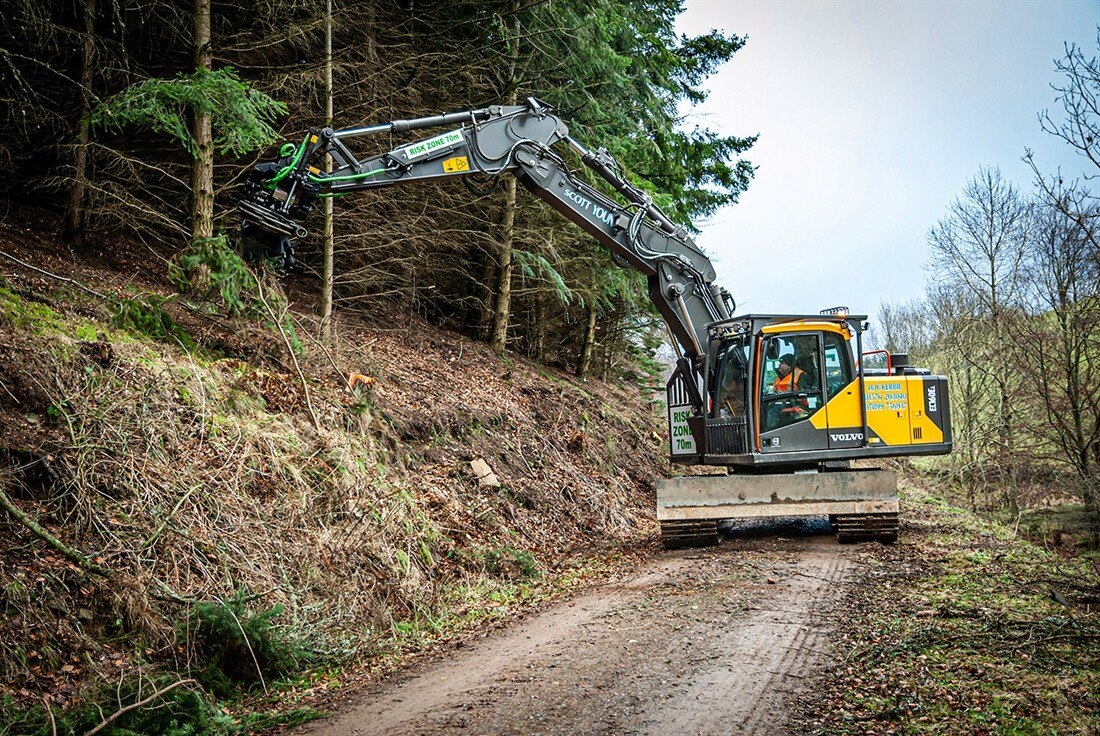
(487, 142)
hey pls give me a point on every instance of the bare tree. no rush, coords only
(1063, 346)
(905, 328)
(979, 249)
(1079, 127)
(973, 396)
(1059, 344)
(1079, 96)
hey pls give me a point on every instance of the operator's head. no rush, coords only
(786, 364)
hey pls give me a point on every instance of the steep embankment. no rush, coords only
(172, 476)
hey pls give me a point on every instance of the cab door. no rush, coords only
(842, 394)
(791, 416)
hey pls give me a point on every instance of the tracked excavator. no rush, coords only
(767, 411)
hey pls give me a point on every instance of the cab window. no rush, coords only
(791, 384)
(838, 364)
(731, 368)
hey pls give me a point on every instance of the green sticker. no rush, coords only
(423, 148)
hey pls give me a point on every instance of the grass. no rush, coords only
(963, 628)
(191, 476)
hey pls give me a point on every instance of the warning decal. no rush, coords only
(459, 163)
(423, 148)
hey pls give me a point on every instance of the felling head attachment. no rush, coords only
(275, 199)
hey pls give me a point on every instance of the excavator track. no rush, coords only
(680, 534)
(850, 528)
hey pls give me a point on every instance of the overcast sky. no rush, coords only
(872, 117)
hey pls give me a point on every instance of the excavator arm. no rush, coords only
(519, 140)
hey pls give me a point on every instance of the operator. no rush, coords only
(787, 379)
(788, 375)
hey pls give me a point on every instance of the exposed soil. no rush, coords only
(691, 642)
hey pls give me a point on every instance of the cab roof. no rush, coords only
(778, 323)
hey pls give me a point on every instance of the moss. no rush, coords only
(145, 316)
(39, 318)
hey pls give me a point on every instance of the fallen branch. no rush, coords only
(78, 557)
(49, 711)
(64, 279)
(123, 711)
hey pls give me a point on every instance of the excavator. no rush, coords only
(767, 412)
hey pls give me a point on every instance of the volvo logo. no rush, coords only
(847, 437)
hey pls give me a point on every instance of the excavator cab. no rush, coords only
(789, 392)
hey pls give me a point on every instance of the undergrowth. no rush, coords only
(963, 628)
(141, 705)
(211, 267)
(190, 478)
(146, 316)
(226, 645)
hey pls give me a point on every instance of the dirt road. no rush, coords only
(695, 642)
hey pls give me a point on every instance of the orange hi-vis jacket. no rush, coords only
(788, 382)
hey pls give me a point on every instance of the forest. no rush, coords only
(146, 117)
(218, 477)
(221, 483)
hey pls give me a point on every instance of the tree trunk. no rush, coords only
(487, 300)
(74, 216)
(329, 234)
(538, 330)
(589, 346)
(1008, 440)
(499, 339)
(202, 168)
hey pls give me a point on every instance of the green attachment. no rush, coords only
(286, 150)
(285, 171)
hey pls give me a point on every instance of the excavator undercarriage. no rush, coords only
(862, 505)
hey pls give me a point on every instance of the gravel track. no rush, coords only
(692, 642)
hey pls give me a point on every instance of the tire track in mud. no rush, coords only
(773, 651)
(698, 642)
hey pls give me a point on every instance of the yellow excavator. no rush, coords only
(779, 405)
